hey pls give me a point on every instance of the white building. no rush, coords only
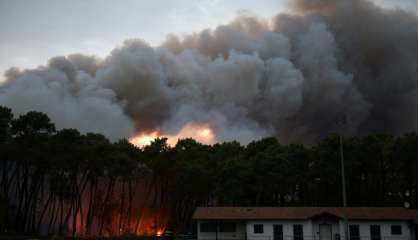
(305, 223)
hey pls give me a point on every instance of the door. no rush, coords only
(325, 232)
(297, 232)
(277, 232)
(375, 232)
(354, 231)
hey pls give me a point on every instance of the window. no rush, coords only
(416, 230)
(354, 231)
(227, 227)
(298, 232)
(258, 228)
(277, 232)
(396, 229)
(375, 232)
(208, 227)
(337, 236)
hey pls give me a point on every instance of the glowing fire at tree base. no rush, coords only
(199, 132)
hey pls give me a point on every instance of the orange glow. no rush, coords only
(200, 132)
(144, 139)
(150, 224)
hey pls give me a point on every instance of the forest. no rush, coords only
(63, 182)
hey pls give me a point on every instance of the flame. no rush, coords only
(199, 132)
(147, 217)
(144, 139)
(152, 223)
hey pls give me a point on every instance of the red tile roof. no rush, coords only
(294, 213)
(414, 213)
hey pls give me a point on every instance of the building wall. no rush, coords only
(239, 234)
(245, 230)
(268, 229)
(385, 229)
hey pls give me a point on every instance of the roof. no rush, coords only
(300, 213)
(414, 213)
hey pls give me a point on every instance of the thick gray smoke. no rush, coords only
(289, 77)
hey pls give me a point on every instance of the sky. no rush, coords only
(32, 31)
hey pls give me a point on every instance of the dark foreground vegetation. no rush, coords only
(67, 183)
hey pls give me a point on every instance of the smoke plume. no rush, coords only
(288, 77)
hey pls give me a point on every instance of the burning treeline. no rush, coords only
(66, 183)
(288, 77)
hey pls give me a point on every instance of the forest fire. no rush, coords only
(200, 132)
(143, 216)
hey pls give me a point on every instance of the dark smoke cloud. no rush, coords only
(288, 77)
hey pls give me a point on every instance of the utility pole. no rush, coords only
(342, 120)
